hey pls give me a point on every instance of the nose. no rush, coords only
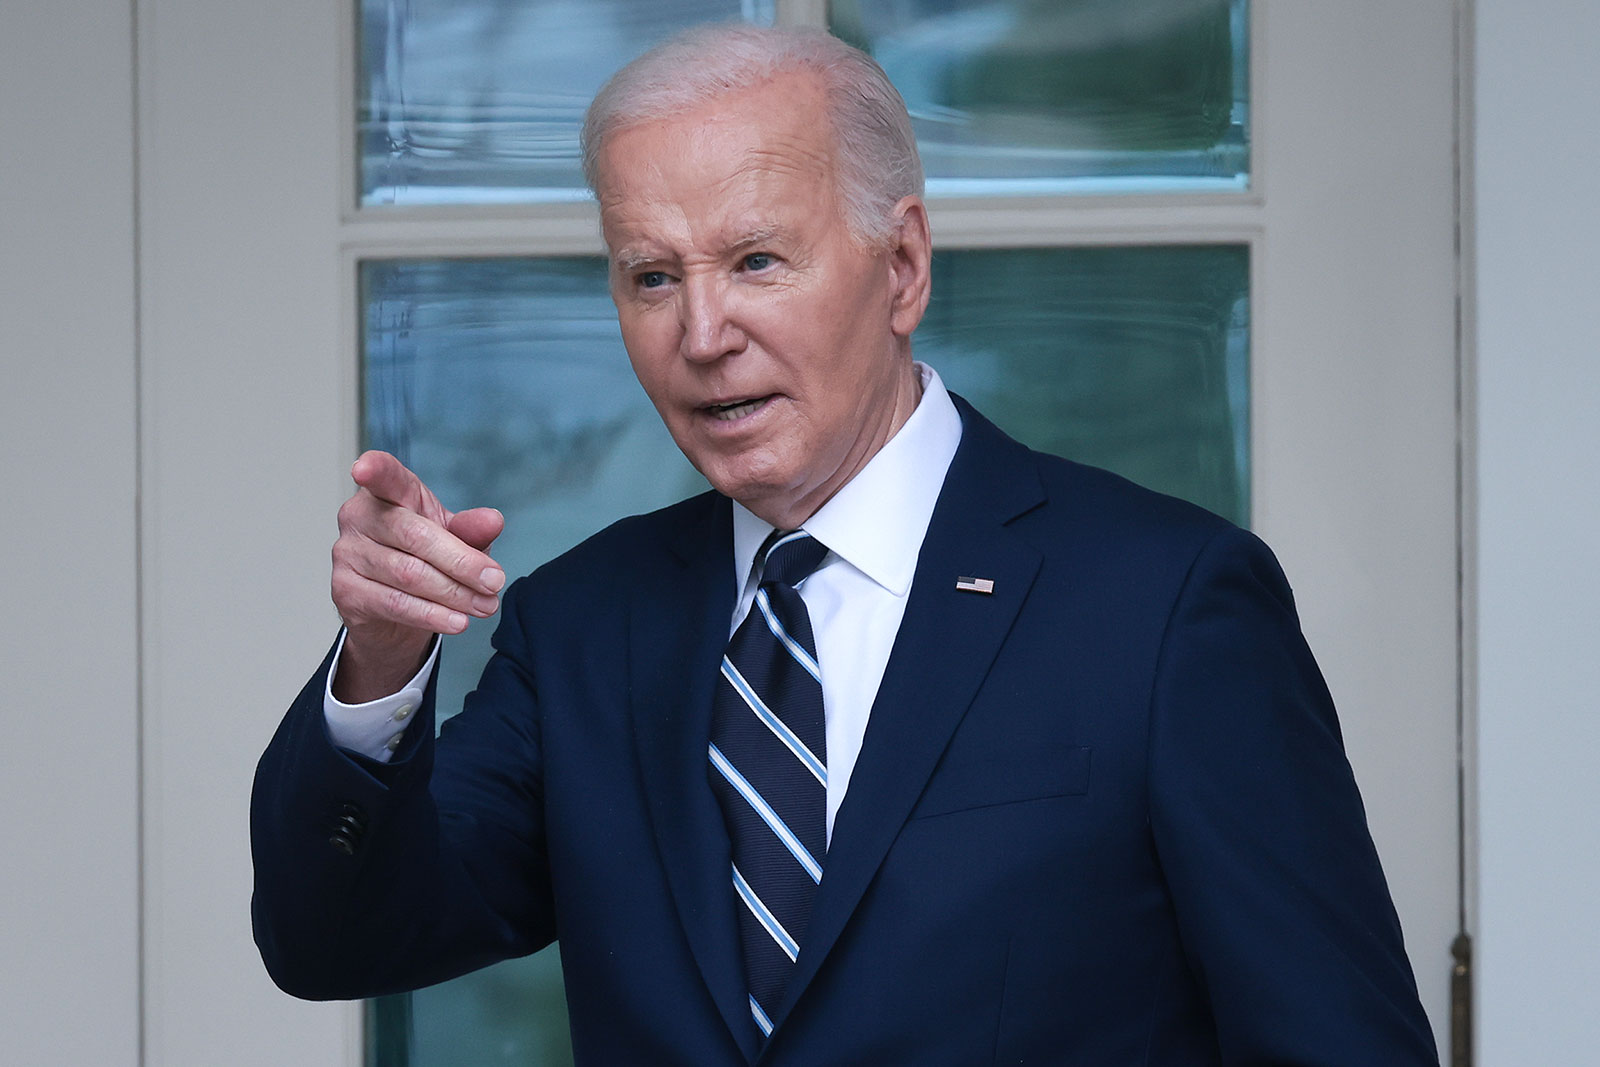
(709, 332)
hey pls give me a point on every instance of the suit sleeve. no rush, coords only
(374, 878)
(1283, 909)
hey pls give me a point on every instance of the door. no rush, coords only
(272, 293)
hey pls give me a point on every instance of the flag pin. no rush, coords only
(975, 585)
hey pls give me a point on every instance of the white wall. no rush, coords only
(1537, 98)
(69, 753)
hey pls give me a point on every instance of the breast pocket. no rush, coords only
(968, 780)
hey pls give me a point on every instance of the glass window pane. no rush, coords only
(480, 101)
(1132, 358)
(504, 382)
(1048, 96)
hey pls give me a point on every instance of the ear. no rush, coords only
(910, 256)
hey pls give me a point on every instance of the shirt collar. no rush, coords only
(877, 520)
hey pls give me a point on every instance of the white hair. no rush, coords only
(875, 153)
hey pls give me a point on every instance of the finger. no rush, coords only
(363, 602)
(478, 527)
(410, 574)
(386, 478)
(429, 541)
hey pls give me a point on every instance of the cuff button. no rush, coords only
(348, 829)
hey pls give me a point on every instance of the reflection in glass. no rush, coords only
(503, 382)
(480, 101)
(1134, 359)
(1048, 96)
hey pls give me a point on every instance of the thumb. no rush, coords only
(478, 527)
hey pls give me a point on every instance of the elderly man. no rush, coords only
(905, 745)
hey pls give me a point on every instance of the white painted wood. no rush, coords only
(1538, 510)
(246, 423)
(801, 12)
(249, 412)
(1354, 407)
(69, 788)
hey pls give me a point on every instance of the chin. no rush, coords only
(744, 480)
(743, 490)
(760, 495)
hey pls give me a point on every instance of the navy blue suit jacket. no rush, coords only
(1101, 816)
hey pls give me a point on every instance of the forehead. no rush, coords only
(741, 160)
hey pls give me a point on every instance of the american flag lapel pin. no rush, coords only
(975, 585)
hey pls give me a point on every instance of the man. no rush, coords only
(1049, 777)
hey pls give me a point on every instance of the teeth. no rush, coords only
(730, 412)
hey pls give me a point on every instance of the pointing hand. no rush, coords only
(405, 568)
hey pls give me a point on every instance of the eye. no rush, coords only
(758, 261)
(650, 279)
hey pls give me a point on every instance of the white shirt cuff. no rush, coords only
(374, 729)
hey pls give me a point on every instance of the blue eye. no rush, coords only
(651, 279)
(758, 261)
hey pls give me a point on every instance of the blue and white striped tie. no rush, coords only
(769, 768)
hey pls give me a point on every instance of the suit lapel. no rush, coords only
(677, 632)
(946, 643)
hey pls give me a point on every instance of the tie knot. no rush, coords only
(791, 556)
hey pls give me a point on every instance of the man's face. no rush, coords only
(774, 345)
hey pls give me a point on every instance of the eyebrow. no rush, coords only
(758, 236)
(628, 259)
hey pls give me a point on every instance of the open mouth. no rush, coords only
(736, 410)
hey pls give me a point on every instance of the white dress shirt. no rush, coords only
(873, 527)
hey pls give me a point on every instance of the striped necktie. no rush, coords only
(769, 768)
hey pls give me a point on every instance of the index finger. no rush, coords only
(386, 478)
